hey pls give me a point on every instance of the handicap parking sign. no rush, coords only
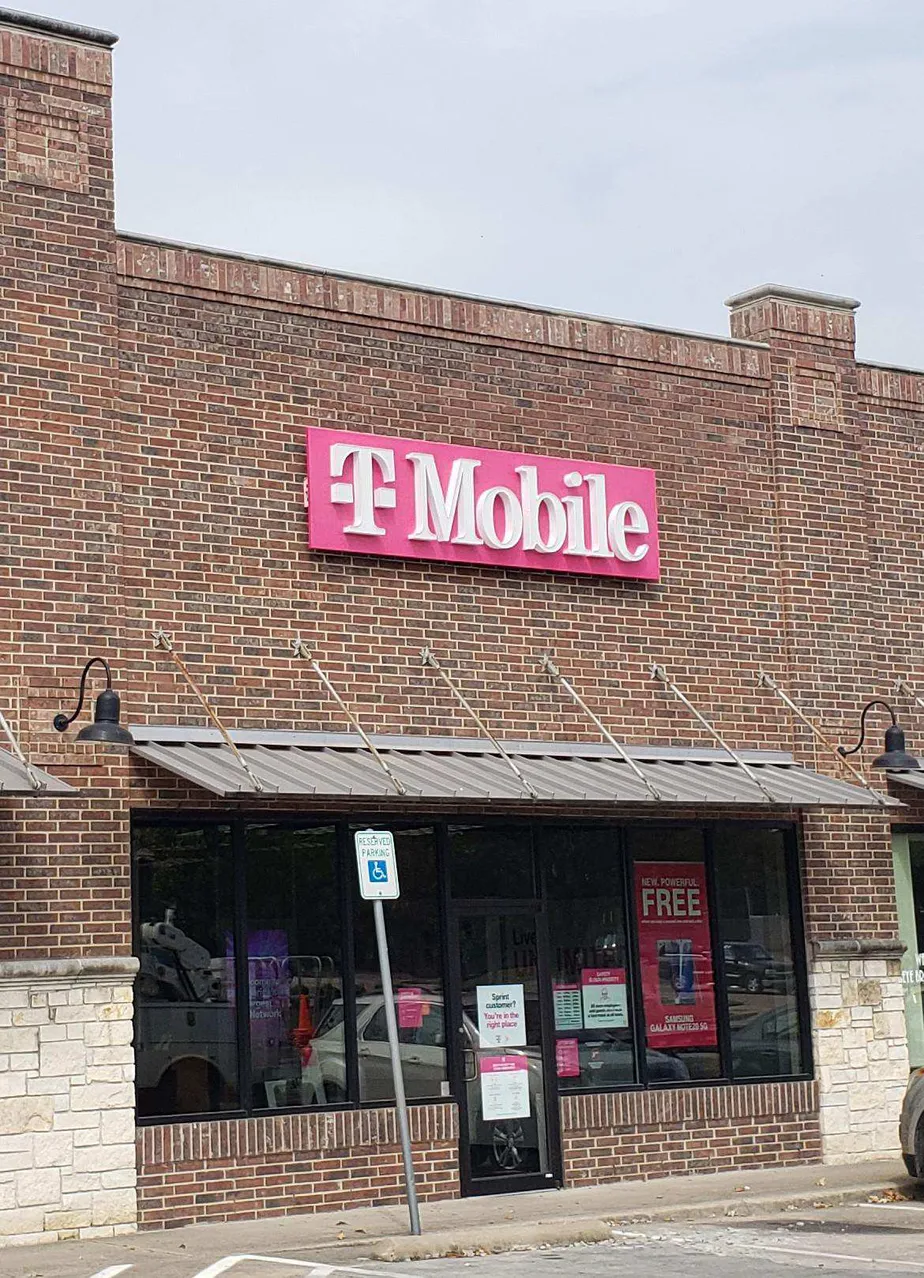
(378, 870)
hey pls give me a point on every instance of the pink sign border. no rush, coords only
(497, 468)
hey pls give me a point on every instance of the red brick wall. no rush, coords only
(642, 1135)
(63, 863)
(244, 1168)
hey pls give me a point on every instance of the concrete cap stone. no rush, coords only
(802, 296)
(55, 27)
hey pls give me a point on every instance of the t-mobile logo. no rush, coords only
(362, 493)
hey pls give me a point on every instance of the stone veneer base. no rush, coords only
(67, 1120)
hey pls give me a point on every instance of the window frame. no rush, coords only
(238, 821)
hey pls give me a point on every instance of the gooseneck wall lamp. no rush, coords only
(105, 726)
(895, 757)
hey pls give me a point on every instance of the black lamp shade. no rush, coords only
(105, 726)
(896, 756)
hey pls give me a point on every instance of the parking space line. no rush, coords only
(227, 1263)
(836, 1255)
(112, 1272)
(892, 1206)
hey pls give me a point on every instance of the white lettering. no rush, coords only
(457, 503)
(362, 494)
(627, 517)
(533, 504)
(599, 543)
(485, 518)
(574, 514)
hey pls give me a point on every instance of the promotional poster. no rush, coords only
(676, 954)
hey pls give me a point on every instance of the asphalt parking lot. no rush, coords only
(875, 1237)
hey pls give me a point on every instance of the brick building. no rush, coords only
(156, 403)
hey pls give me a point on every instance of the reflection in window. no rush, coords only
(675, 948)
(491, 861)
(293, 961)
(185, 1027)
(757, 948)
(417, 978)
(589, 961)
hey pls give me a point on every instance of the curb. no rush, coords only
(756, 1204)
(476, 1240)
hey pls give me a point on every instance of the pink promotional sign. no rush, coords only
(368, 494)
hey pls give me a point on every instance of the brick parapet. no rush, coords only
(201, 271)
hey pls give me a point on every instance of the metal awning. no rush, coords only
(14, 778)
(447, 769)
(914, 780)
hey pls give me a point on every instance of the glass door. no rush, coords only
(509, 1138)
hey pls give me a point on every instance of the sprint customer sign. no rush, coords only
(367, 494)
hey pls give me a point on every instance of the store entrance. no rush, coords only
(509, 1130)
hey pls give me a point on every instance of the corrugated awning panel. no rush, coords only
(14, 779)
(341, 767)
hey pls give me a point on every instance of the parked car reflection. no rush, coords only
(751, 967)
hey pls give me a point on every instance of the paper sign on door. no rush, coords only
(501, 1015)
(504, 1087)
(566, 1000)
(603, 995)
(567, 1058)
(410, 1008)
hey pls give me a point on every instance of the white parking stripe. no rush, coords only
(112, 1271)
(228, 1263)
(892, 1206)
(835, 1255)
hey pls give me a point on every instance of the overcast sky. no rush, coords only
(641, 159)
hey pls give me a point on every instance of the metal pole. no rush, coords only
(765, 680)
(552, 670)
(427, 657)
(658, 672)
(165, 643)
(34, 780)
(400, 1100)
(301, 649)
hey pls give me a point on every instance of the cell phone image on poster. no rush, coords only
(676, 954)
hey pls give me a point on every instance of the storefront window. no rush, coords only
(589, 960)
(671, 903)
(417, 977)
(488, 861)
(643, 955)
(293, 962)
(757, 951)
(185, 1026)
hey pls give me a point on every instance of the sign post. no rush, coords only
(378, 882)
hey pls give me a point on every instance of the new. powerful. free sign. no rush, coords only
(367, 494)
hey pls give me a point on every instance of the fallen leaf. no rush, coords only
(821, 1182)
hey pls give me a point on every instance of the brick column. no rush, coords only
(66, 1103)
(831, 640)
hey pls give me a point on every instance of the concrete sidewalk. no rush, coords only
(495, 1223)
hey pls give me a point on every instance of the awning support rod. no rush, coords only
(658, 672)
(904, 689)
(34, 780)
(165, 643)
(552, 670)
(428, 659)
(301, 649)
(765, 680)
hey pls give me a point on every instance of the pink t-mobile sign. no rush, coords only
(367, 494)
